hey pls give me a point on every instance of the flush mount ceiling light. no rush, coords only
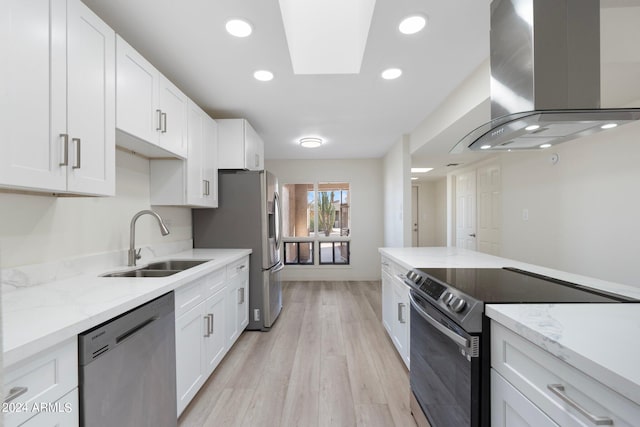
(414, 178)
(532, 127)
(391, 73)
(238, 28)
(412, 24)
(263, 75)
(310, 142)
(485, 147)
(545, 146)
(421, 170)
(609, 126)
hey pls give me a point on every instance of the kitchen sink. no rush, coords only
(159, 269)
(142, 273)
(174, 264)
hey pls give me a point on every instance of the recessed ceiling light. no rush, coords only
(414, 178)
(545, 146)
(485, 147)
(391, 73)
(609, 126)
(238, 28)
(412, 24)
(532, 127)
(310, 142)
(263, 75)
(421, 170)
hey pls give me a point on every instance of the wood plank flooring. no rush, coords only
(326, 362)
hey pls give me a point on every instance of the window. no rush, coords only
(316, 212)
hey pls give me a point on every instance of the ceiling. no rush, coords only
(359, 115)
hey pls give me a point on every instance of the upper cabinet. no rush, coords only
(57, 103)
(239, 146)
(151, 111)
(192, 182)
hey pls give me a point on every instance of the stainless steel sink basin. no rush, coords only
(159, 269)
(143, 273)
(174, 264)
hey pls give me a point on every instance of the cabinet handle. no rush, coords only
(208, 319)
(240, 267)
(241, 297)
(205, 183)
(211, 316)
(401, 307)
(78, 157)
(15, 392)
(257, 160)
(159, 113)
(163, 116)
(558, 390)
(65, 138)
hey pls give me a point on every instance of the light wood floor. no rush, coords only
(326, 362)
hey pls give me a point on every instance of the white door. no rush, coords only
(489, 209)
(138, 113)
(33, 93)
(215, 343)
(415, 241)
(90, 102)
(173, 126)
(466, 210)
(190, 363)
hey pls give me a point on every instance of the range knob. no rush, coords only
(447, 297)
(457, 305)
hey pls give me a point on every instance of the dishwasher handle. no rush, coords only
(135, 329)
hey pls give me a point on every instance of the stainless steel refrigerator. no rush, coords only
(248, 216)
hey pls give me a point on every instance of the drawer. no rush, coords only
(392, 268)
(240, 267)
(534, 371)
(45, 378)
(190, 295)
(215, 281)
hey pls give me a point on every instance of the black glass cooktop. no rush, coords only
(507, 285)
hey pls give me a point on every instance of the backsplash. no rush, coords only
(37, 274)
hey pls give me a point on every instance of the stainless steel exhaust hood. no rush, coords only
(545, 76)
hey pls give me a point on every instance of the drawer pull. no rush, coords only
(15, 392)
(558, 390)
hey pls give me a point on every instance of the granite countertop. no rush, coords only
(597, 339)
(37, 317)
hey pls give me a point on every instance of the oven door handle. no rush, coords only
(462, 341)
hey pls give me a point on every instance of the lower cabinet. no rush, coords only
(395, 307)
(43, 390)
(211, 313)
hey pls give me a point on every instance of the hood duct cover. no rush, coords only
(545, 76)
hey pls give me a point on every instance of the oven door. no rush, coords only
(445, 367)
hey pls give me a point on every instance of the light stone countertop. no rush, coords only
(597, 339)
(37, 317)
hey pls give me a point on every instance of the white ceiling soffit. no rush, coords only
(326, 36)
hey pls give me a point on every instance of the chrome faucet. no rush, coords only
(133, 255)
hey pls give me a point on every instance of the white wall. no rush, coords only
(397, 195)
(584, 211)
(365, 179)
(36, 229)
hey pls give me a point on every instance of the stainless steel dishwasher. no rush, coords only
(127, 369)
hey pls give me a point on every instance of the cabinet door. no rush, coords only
(210, 162)
(400, 326)
(243, 302)
(90, 102)
(137, 83)
(33, 93)
(254, 148)
(387, 302)
(232, 304)
(191, 329)
(65, 413)
(215, 343)
(510, 408)
(195, 182)
(173, 125)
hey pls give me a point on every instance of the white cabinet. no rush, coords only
(150, 108)
(510, 408)
(395, 307)
(49, 378)
(207, 311)
(239, 145)
(57, 109)
(238, 297)
(569, 397)
(192, 182)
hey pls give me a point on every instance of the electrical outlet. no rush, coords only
(256, 315)
(525, 214)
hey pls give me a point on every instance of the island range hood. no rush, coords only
(545, 76)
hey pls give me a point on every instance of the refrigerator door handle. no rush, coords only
(279, 266)
(276, 202)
